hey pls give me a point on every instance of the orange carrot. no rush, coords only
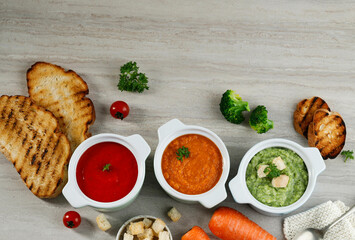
(229, 224)
(196, 233)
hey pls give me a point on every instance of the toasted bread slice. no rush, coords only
(327, 132)
(63, 93)
(304, 113)
(31, 140)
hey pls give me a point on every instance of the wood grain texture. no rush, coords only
(273, 53)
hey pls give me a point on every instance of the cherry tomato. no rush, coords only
(71, 219)
(119, 110)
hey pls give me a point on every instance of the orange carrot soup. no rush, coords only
(192, 164)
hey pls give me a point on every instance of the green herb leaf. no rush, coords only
(131, 80)
(347, 154)
(106, 167)
(182, 152)
(272, 171)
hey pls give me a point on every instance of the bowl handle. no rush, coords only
(316, 160)
(138, 142)
(73, 196)
(238, 191)
(214, 197)
(169, 127)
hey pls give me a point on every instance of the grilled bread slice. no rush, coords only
(304, 113)
(63, 93)
(327, 132)
(31, 140)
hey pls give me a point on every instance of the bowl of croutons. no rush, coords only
(144, 227)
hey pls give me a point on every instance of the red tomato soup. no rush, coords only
(107, 172)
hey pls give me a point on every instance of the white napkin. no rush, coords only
(319, 217)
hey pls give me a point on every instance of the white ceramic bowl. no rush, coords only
(135, 143)
(312, 159)
(123, 228)
(167, 133)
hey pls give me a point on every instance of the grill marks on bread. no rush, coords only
(327, 132)
(324, 129)
(303, 115)
(63, 93)
(31, 140)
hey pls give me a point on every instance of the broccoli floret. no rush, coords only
(131, 80)
(232, 107)
(258, 120)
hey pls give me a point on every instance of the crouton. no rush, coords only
(164, 235)
(158, 225)
(127, 236)
(147, 234)
(136, 228)
(174, 214)
(102, 222)
(147, 222)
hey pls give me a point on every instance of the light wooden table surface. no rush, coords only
(273, 53)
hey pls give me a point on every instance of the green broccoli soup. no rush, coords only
(277, 176)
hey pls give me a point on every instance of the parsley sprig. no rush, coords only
(182, 152)
(106, 167)
(131, 80)
(272, 171)
(347, 154)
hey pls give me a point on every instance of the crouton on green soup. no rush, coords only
(277, 176)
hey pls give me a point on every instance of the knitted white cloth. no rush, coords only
(319, 217)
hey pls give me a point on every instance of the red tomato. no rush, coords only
(71, 219)
(119, 110)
